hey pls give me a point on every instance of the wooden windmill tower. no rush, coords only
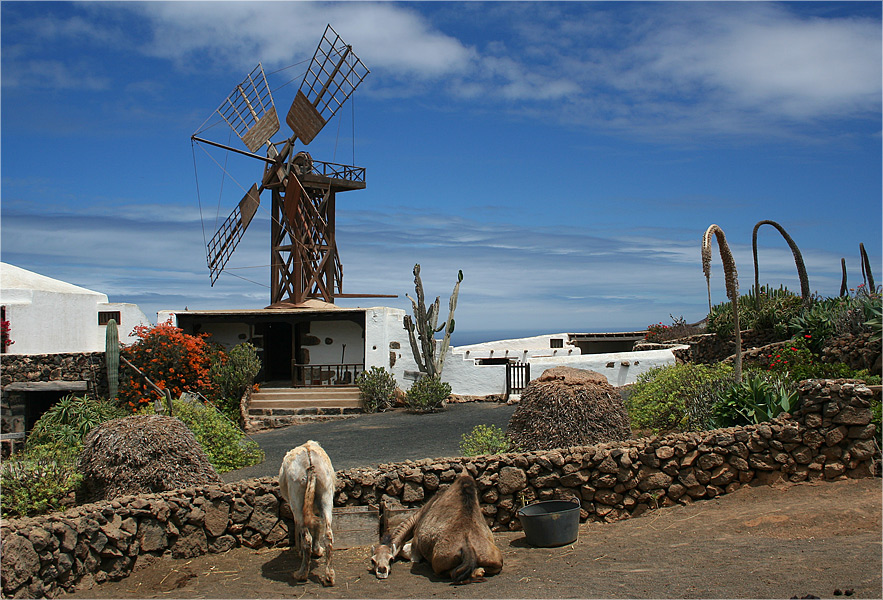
(304, 262)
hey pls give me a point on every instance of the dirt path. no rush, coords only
(819, 539)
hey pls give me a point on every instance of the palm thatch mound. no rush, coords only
(568, 407)
(142, 454)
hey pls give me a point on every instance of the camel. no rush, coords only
(449, 532)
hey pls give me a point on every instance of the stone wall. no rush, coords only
(77, 366)
(829, 437)
(857, 351)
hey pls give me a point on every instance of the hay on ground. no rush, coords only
(568, 407)
(142, 454)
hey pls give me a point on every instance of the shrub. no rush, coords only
(68, 421)
(678, 329)
(768, 317)
(173, 360)
(231, 374)
(38, 481)
(225, 445)
(377, 388)
(428, 394)
(796, 362)
(659, 399)
(760, 397)
(484, 439)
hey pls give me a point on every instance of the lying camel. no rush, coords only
(306, 481)
(449, 532)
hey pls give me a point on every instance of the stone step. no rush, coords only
(299, 399)
(262, 422)
(306, 393)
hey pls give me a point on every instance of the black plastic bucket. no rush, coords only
(550, 523)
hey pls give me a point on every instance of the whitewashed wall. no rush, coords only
(346, 343)
(48, 316)
(384, 326)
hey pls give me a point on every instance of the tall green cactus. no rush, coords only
(429, 357)
(112, 357)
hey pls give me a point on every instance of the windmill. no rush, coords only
(304, 261)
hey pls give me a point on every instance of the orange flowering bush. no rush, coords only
(173, 360)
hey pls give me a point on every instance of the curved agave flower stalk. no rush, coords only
(843, 278)
(866, 268)
(732, 282)
(798, 261)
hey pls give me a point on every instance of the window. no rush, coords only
(556, 343)
(107, 315)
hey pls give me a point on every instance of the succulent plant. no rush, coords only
(798, 261)
(112, 357)
(424, 325)
(732, 282)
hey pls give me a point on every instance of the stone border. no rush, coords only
(829, 437)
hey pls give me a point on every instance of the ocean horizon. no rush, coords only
(468, 338)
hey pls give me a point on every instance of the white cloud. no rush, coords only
(763, 57)
(386, 36)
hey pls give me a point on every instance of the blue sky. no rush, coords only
(566, 156)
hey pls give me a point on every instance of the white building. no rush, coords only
(318, 344)
(48, 316)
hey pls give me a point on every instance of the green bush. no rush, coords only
(769, 317)
(68, 421)
(38, 481)
(232, 373)
(484, 439)
(225, 445)
(760, 397)
(428, 394)
(661, 398)
(797, 362)
(679, 328)
(376, 388)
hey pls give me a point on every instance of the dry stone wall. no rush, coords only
(829, 437)
(77, 366)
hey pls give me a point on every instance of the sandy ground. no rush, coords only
(801, 540)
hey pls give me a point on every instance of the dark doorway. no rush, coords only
(277, 355)
(37, 403)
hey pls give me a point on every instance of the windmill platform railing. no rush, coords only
(333, 375)
(338, 171)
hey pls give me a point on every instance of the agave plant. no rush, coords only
(732, 284)
(798, 261)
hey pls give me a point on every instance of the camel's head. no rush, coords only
(381, 558)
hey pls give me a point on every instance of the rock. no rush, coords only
(20, 562)
(511, 480)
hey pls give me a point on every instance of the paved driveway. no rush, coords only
(371, 439)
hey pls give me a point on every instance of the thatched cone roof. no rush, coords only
(568, 407)
(142, 454)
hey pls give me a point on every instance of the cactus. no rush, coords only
(429, 357)
(112, 357)
(732, 282)
(798, 261)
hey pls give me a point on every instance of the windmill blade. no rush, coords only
(333, 75)
(249, 110)
(221, 246)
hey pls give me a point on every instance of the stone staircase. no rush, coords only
(278, 407)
